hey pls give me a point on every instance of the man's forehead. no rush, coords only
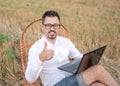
(51, 19)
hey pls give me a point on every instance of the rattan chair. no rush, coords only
(30, 35)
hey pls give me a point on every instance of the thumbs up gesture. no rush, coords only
(46, 54)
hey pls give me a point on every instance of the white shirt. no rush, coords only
(47, 70)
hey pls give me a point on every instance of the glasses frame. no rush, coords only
(49, 26)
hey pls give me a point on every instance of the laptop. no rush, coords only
(89, 59)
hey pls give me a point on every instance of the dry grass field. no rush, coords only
(92, 23)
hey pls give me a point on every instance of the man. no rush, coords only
(52, 51)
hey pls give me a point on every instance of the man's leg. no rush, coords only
(98, 84)
(98, 73)
(81, 82)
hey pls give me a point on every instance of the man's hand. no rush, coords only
(46, 54)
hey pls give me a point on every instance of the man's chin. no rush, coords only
(52, 37)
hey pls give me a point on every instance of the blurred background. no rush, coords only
(93, 22)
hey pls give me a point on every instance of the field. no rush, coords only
(93, 22)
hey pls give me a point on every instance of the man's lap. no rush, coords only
(80, 80)
(73, 80)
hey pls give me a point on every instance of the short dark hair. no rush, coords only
(50, 13)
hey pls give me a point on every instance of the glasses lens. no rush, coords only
(49, 26)
(56, 26)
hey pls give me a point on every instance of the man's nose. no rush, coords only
(52, 28)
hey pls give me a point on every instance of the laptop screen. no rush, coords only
(89, 59)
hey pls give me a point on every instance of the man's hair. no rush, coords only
(50, 13)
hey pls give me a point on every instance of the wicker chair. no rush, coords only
(30, 35)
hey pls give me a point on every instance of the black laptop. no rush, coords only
(88, 59)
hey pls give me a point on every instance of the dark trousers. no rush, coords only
(68, 81)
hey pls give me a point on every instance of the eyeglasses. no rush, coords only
(49, 26)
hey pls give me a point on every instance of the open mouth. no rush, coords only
(52, 34)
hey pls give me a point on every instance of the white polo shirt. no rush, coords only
(48, 70)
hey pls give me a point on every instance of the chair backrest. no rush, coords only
(30, 35)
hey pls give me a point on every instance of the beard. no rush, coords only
(52, 34)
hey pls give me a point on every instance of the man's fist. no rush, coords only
(46, 54)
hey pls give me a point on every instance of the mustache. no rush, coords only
(51, 31)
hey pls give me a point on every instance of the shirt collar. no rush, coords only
(44, 39)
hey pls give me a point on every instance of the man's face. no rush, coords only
(51, 27)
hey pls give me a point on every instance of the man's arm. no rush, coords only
(36, 58)
(34, 67)
(74, 52)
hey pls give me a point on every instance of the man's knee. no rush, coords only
(93, 73)
(98, 68)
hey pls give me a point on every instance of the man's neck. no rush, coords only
(52, 41)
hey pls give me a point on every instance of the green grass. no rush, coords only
(3, 38)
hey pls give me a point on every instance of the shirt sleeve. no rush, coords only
(34, 65)
(74, 52)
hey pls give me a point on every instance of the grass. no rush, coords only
(92, 22)
(3, 38)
